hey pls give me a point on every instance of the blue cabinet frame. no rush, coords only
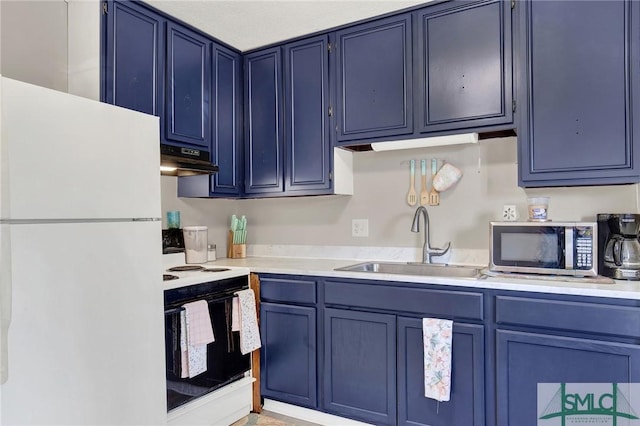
(188, 88)
(307, 141)
(375, 79)
(132, 65)
(226, 114)
(579, 64)
(524, 359)
(360, 365)
(467, 404)
(464, 67)
(263, 122)
(288, 356)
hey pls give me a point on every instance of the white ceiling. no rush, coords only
(247, 24)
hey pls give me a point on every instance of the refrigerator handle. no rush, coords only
(5, 303)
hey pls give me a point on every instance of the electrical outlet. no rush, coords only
(360, 227)
(509, 213)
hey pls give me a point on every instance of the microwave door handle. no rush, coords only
(568, 249)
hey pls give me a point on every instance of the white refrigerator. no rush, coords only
(81, 302)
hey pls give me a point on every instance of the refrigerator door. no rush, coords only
(67, 157)
(86, 342)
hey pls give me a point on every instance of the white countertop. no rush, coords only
(326, 268)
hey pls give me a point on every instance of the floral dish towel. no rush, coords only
(437, 336)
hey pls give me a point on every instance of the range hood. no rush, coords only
(179, 161)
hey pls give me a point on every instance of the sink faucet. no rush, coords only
(427, 250)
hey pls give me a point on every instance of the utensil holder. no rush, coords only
(235, 251)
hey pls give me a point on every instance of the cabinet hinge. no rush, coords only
(330, 112)
(513, 106)
(330, 176)
(105, 8)
(513, 4)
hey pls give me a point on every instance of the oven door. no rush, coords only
(225, 363)
(528, 249)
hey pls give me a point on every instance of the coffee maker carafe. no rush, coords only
(619, 245)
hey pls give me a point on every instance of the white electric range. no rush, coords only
(232, 401)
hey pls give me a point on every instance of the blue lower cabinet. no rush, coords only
(288, 356)
(467, 404)
(360, 365)
(525, 359)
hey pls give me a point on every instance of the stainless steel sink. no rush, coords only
(432, 269)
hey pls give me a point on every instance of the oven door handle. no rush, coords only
(209, 301)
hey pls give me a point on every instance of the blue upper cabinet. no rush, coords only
(188, 88)
(132, 66)
(307, 127)
(287, 123)
(463, 75)
(226, 115)
(579, 65)
(263, 122)
(375, 79)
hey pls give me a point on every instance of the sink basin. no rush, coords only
(432, 269)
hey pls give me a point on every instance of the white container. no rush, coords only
(538, 208)
(211, 256)
(195, 244)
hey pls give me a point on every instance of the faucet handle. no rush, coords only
(438, 251)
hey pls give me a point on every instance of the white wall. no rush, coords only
(34, 42)
(381, 184)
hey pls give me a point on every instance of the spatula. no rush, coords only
(434, 196)
(412, 197)
(424, 193)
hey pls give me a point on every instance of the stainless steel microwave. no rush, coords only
(552, 248)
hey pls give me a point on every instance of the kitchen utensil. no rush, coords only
(412, 197)
(424, 193)
(242, 231)
(434, 197)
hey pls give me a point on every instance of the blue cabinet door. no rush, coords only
(466, 406)
(360, 365)
(263, 122)
(307, 138)
(132, 66)
(226, 115)
(578, 63)
(375, 79)
(288, 354)
(525, 359)
(464, 77)
(188, 88)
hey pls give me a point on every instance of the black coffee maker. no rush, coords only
(618, 245)
(172, 241)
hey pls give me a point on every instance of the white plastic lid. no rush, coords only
(195, 228)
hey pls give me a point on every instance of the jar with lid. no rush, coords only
(211, 252)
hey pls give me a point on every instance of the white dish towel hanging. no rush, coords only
(249, 332)
(437, 337)
(195, 333)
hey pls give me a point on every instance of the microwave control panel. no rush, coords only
(583, 247)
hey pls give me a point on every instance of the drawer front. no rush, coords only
(287, 291)
(454, 304)
(564, 315)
